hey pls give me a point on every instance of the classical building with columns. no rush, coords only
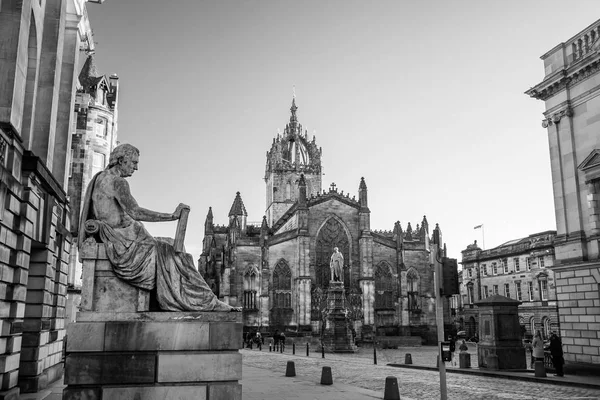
(571, 92)
(278, 270)
(40, 43)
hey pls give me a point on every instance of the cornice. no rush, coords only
(566, 77)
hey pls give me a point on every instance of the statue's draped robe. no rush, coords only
(147, 263)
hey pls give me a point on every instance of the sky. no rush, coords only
(424, 99)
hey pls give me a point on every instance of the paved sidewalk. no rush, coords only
(263, 384)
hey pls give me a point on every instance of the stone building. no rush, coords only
(571, 92)
(40, 43)
(94, 137)
(519, 269)
(279, 271)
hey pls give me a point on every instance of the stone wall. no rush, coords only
(579, 303)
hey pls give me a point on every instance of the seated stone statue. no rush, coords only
(136, 257)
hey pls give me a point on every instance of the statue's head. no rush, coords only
(125, 157)
(335, 249)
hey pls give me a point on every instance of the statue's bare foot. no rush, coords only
(236, 309)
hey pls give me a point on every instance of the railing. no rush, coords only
(583, 44)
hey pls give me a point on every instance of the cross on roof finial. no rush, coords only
(332, 187)
(294, 91)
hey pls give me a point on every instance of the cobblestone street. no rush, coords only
(358, 370)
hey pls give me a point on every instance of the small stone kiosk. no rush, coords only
(500, 345)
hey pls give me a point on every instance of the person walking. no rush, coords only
(557, 354)
(538, 347)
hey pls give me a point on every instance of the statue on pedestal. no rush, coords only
(336, 265)
(138, 258)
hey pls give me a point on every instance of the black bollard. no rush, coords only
(294, 348)
(281, 347)
(290, 370)
(408, 358)
(374, 354)
(306, 349)
(391, 391)
(322, 351)
(270, 347)
(326, 378)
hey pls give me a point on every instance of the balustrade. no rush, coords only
(583, 44)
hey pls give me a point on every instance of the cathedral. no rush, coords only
(279, 271)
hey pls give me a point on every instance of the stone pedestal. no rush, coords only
(158, 355)
(500, 344)
(118, 350)
(337, 332)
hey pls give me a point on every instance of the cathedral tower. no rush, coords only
(291, 155)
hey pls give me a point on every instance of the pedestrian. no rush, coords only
(282, 339)
(538, 347)
(463, 347)
(529, 349)
(557, 354)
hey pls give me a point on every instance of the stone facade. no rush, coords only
(94, 137)
(39, 47)
(571, 92)
(520, 269)
(279, 271)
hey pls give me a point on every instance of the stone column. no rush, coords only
(66, 100)
(46, 108)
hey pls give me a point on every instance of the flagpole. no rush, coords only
(482, 237)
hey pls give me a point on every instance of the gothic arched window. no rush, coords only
(282, 285)
(250, 288)
(384, 286)
(412, 289)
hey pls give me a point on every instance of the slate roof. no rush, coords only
(90, 75)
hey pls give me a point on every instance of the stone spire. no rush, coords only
(208, 223)
(362, 194)
(238, 208)
(238, 212)
(302, 192)
(409, 231)
(293, 117)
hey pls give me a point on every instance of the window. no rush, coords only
(485, 292)
(528, 261)
(470, 293)
(544, 289)
(384, 287)
(101, 127)
(470, 271)
(412, 280)
(282, 286)
(518, 290)
(516, 262)
(98, 163)
(495, 268)
(530, 291)
(484, 269)
(541, 261)
(250, 288)
(495, 289)
(507, 290)
(505, 265)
